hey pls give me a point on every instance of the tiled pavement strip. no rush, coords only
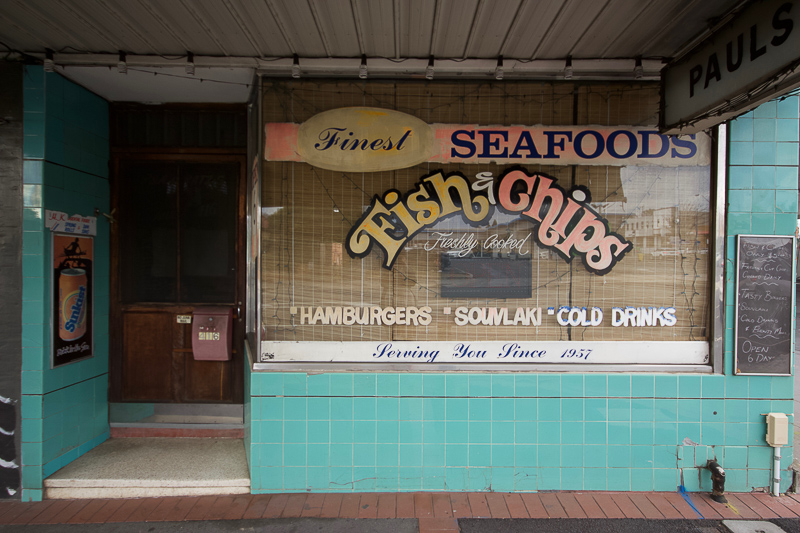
(437, 512)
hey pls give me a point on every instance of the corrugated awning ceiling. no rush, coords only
(521, 29)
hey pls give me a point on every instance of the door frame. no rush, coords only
(117, 308)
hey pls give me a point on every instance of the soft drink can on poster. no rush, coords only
(72, 304)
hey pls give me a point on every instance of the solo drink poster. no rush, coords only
(72, 298)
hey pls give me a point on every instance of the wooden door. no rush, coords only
(178, 245)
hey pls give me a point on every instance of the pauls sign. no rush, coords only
(563, 221)
(364, 139)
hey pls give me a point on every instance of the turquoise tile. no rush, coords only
(665, 457)
(317, 478)
(572, 386)
(294, 455)
(782, 387)
(434, 384)
(713, 410)
(365, 431)
(787, 154)
(549, 432)
(341, 431)
(619, 456)
(341, 454)
(785, 223)
(643, 433)
(741, 129)
(571, 409)
(318, 431)
(386, 479)
(572, 432)
(457, 455)
(480, 432)
(764, 177)
(572, 479)
(763, 201)
(786, 202)
(526, 385)
(740, 200)
(411, 454)
(619, 385)
(457, 408)
(294, 408)
(594, 479)
(526, 409)
(363, 408)
(434, 431)
(642, 385)
(410, 408)
(365, 384)
(642, 409)
(596, 385)
(549, 409)
(526, 455)
(787, 107)
(341, 408)
(764, 153)
(480, 385)
(572, 456)
(550, 455)
(457, 479)
(503, 479)
(596, 456)
(480, 479)
(502, 385)
(316, 384)
(764, 130)
(619, 432)
(271, 431)
(740, 177)
(713, 386)
(341, 384)
(689, 410)
(294, 431)
(457, 385)
(766, 110)
(689, 386)
(410, 432)
(410, 384)
(503, 408)
(502, 432)
(619, 409)
(364, 454)
(480, 409)
(666, 433)
(666, 386)
(741, 153)
(434, 478)
(786, 130)
(642, 479)
(388, 384)
(387, 455)
(549, 478)
(595, 409)
(457, 431)
(595, 433)
(319, 408)
(550, 385)
(525, 432)
(388, 408)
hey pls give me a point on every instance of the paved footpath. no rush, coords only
(400, 512)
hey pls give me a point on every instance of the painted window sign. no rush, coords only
(362, 139)
(563, 220)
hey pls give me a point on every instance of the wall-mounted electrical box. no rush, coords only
(777, 429)
(212, 332)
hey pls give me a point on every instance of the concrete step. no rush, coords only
(153, 467)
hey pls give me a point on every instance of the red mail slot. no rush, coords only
(212, 332)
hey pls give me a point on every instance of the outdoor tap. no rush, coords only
(717, 481)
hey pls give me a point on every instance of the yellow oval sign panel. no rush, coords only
(364, 139)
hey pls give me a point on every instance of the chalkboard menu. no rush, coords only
(764, 303)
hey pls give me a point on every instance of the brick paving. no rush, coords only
(436, 512)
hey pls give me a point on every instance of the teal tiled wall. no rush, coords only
(64, 410)
(509, 432)
(532, 432)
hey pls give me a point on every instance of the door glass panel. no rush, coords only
(148, 230)
(208, 232)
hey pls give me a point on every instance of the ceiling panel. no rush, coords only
(376, 20)
(452, 29)
(531, 27)
(456, 29)
(491, 26)
(572, 21)
(338, 26)
(416, 19)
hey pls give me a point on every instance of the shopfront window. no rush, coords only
(507, 244)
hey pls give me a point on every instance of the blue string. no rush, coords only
(682, 492)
